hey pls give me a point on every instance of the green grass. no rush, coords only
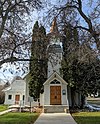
(3, 107)
(87, 117)
(18, 118)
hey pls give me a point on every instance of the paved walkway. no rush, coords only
(55, 118)
(6, 111)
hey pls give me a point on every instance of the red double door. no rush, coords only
(55, 95)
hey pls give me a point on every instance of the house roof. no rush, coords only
(16, 78)
(7, 88)
(56, 76)
(15, 84)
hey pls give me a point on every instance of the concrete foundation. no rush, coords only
(56, 109)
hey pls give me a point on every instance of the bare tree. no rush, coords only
(14, 35)
(91, 20)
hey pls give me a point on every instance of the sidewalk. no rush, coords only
(6, 111)
(55, 118)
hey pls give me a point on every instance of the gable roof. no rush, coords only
(56, 76)
(20, 84)
(7, 88)
(16, 78)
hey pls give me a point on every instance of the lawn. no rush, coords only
(87, 117)
(18, 118)
(3, 107)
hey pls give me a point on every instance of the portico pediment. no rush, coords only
(55, 76)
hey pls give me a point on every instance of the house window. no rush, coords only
(54, 82)
(9, 96)
(23, 97)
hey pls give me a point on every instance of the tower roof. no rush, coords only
(54, 27)
(54, 35)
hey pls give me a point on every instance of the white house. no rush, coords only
(15, 93)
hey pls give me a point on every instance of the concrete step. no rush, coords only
(56, 109)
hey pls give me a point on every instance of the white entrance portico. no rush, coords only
(55, 94)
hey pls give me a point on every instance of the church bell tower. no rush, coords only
(55, 87)
(54, 50)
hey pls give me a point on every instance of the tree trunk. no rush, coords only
(82, 101)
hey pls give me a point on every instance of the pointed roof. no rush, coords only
(7, 88)
(54, 27)
(16, 78)
(56, 76)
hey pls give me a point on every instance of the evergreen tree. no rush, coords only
(70, 45)
(38, 63)
(84, 75)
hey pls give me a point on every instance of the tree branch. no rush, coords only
(82, 28)
(12, 59)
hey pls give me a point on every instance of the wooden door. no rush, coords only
(17, 99)
(55, 95)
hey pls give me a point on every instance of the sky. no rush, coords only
(8, 72)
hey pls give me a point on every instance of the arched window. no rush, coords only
(55, 82)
